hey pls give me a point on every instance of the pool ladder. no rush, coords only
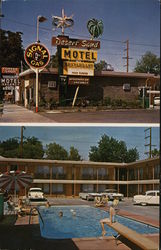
(31, 210)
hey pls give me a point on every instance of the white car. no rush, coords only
(157, 100)
(112, 194)
(89, 196)
(35, 194)
(150, 197)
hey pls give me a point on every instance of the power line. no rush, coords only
(87, 37)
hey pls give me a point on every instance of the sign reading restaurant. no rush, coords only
(78, 68)
(77, 43)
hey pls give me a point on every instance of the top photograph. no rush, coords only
(80, 61)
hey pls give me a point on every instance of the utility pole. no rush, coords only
(148, 136)
(21, 148)
(127, 55)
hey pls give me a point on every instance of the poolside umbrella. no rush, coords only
(15, 180)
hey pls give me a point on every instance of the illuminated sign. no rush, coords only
(78, 81)
(77, 43)
(10, 80)
(78, 68)
(37, 56)
(78, 55)
(7, 70)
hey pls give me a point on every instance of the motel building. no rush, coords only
(106, 84)
(76, 77)
(68, 178)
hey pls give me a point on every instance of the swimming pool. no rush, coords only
(85, 223)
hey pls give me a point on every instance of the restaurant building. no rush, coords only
(68, 178)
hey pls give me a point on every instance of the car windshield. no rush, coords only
(36, 190)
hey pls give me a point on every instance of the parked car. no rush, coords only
(35, 194)
(112, 194)
(156, 101)
(150, 197)
(88, 196)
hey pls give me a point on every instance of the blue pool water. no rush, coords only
(86, 223)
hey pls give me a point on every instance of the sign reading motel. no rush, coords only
(77, 43)
(78, 55)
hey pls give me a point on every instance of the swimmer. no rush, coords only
(47, 204)
(73, 212)
(60, 214)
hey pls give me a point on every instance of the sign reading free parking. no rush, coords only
(37, 56)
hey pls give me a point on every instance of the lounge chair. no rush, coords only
(11, 207)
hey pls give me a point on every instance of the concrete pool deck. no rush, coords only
(20, 235)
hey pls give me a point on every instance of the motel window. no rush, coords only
(57, 172)
(57, 188)
(42, 172)
(46, 188)
(102, 171)
(87, 187)
(141, 173)
(101, 188)
(87, 172)
(156, 171)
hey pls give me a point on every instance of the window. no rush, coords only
(156, 171)
(151, 194)
(87, 188)
(57, 188)
(42, 172)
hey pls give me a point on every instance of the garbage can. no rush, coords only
(1, 205)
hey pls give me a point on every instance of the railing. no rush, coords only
(35, 208)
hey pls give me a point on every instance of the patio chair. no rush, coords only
(11, 207)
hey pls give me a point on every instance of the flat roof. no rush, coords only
(102, 73)
(75, 163)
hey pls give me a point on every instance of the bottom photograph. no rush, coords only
(79, 187)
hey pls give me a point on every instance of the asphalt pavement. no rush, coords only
(17, 114)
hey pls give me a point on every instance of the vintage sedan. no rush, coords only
(113, 194)
(150, 198)
(35, 194)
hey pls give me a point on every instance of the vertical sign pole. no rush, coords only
(76, 92)
(37, 89)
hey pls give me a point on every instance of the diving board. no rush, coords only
(138, 239)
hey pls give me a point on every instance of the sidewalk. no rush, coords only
(14, 113)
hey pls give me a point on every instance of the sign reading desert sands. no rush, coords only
(77, 43)
(37, 56)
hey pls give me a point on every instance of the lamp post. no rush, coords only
(40, 19)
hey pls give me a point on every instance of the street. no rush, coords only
(13, 113)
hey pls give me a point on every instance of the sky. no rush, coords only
(136, 20)
(83, 138)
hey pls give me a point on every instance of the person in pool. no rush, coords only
(107, 220)
(60, 214)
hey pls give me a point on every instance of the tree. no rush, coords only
(111, 150)
(54, 61)
(100, 66)
(9, 148)
(74, 154)
(11, 49)
(149, 63)
(55, 151)
(155, 153)
(32, 148)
